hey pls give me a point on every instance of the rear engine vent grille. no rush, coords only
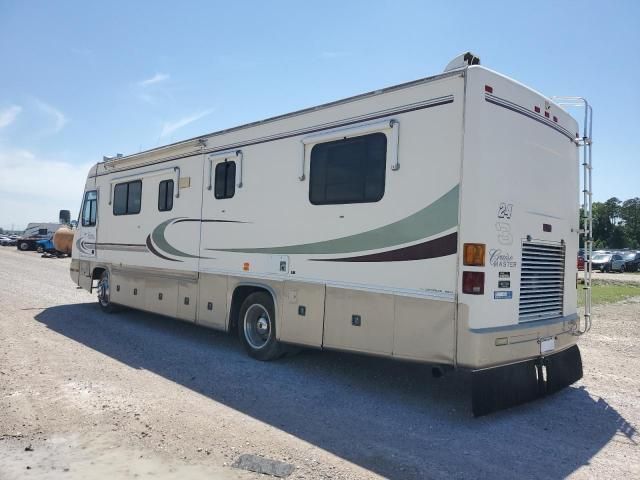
(541, 281)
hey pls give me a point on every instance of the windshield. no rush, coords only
(601, 256)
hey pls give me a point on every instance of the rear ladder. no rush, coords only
(587, 218)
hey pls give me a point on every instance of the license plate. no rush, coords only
(547, 344)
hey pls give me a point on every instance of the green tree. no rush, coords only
(630, 213)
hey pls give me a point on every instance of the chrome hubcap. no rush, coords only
(257, 326)
(103, 291)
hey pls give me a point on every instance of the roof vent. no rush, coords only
(462, 61)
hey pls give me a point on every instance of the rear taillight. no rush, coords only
(473, 283)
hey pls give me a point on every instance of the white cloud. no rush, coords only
(157, 78)
(8, 115)
(169, 128)
(59, 119)
(34, 189)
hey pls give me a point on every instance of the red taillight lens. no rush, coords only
(488, 88)
(473, 283)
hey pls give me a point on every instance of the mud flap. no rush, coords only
(498, 388)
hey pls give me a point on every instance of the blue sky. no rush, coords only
(80, 80)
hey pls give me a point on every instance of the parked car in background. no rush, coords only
(608, 262)
(632, 261)
(8, 240)
(580, 262)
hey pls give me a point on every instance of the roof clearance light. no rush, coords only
(474, 254)
(537, 109)
(488, 88)
(555, 119)
(546, 114)
(473, 283)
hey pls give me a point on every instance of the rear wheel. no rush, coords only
(23, 246)
(104, 293)
(257, 327)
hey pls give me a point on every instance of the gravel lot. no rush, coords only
(135, 395)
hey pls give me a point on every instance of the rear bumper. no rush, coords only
(502, 387)
(492, 347)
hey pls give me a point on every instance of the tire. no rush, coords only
(24, 246)
(257, 327)
(622, 269)
(104, 293)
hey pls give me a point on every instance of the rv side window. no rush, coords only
(225, 180)
(42, 231)
(165, 195)
(90, 209)
(348, 171)
(127, 198)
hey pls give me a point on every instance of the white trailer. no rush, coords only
(34, 232)
(435, 221)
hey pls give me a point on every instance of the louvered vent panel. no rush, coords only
(541, 281)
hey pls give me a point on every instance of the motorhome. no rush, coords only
(429, 221)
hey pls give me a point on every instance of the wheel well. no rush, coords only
(96, 274)
(239, 295)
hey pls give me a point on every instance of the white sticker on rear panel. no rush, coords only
(547, 344)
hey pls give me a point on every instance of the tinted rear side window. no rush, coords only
(165, 195)
(127, 198)
(348, 171)
(225, 183)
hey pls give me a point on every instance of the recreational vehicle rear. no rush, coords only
(430, 221)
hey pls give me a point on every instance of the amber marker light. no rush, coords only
(245, 266)
(474, 254)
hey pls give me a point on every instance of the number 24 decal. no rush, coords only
(504, 210)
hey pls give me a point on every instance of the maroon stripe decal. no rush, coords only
(439, 247)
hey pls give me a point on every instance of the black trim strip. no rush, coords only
(514, 107)
(436, 102)
(206, 221)
(119, 244)
(438, 247)
(156, 253)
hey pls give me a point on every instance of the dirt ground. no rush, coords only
(88, 395)
(620, 277)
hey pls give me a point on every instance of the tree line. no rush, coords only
(616, 223)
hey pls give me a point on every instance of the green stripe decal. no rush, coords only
(158, 238)
(435, 218)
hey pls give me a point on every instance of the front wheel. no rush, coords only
(622, 269)
(257, 327)
(104, 293)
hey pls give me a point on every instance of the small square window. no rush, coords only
(165, 195)
(225, 182)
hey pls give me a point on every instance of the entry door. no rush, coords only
(87, 240)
